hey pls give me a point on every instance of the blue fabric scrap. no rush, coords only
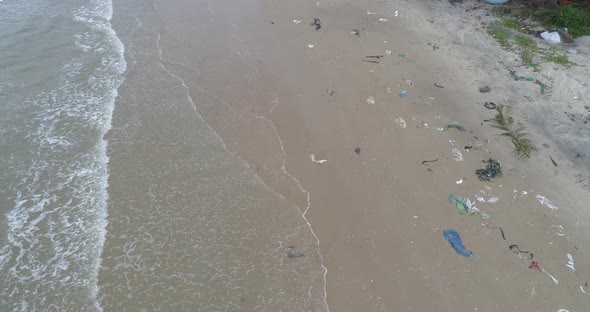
(455, 240)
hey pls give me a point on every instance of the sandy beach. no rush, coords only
(277, 88)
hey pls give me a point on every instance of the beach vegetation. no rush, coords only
(576, 18)
(515, 131)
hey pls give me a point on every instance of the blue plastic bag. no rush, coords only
(455, 240)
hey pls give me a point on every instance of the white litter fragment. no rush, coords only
(480, 199)
(552, 37)
(452, 142)
(396, 13)
(551, 276)
(383, 20)
(317, 161)
(370, 100)
(388, 52)
(489, 188)
(562, 310)
(583, 289)
(459, 181)
(493, 199)
(401, 122)
(524, 192)
(570, 262)
(370, 13)
(310, 46)
(457, 154)
(545, 201)
(440, 129)
(296, 22)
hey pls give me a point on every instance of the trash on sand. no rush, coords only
(531, 79)
(562, 310)
(357, 150)
(310, 46)
(422, 124)
(293, 253)
(317, 161)
(490, 105)
(356, 32)
(388, 52)
(370, 100)
(374, 56)
(409, 82)
(584, 289)
(396, 13)
(492, 170)
(368, 61)
(551, 37)
(438, 86)
(388, 90)
(485, 89)
(424, 162)
(480, 199)
(458, 127)
(545, 201)
(429, 169)
(296, 22)
(457, 154)
(524, 255)
(456, 243)
(493, 200)
(401, 55)
(383, 20)
(317, 23)
(404, 94)
(370, 13)
(401, 122)
(460, 181)
(535, 266)
(553, 161)
(570, 262)
(463, 204)
(551, 276)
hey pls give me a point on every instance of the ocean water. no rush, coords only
(60, 66)
(115, 193)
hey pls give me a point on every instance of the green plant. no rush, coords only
(576, 19)
(525, 42)
(512, 23)
(556, 57)
(501, 34)
(527, 58)
(523, 145)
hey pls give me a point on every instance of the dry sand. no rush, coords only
(380, 215)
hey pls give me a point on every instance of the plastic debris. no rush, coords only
(317, 161)
(296, 22)
(493, 200)
(545, 201)
(584, 289)
(460, 181)
(388, 89)
(396, 13)
(551, 37)
(463, 204)
(524, 255)
(370, 13)
(490, 105)
(570, 262)
(492, 170)
(535, 266)
(370, 100)
(424, 162)
(401, 122)
(551, 276)
(356, 32)
(357, 150)
(458, 127)
(388, 52)
(453, 237)
(457, 154)
(404, 94)
(317, 24)
(383, 20)
(293, 253)
(480, 199)
(562, 310)
(310, 46)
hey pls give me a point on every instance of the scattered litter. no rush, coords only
(293, 253)
(317, 161)
(531, 79)
(524, 255)
(553, 161)
(570, 262)
(485, 89)
(388, 90)
(457, 154)
(404, 94)
(370, 100)
(383, 20)
(438, 86)
(474, 144)
(490, 105)
(562, 310)
(374, 62)
(370, 13)
(401, 122)
(535, 266)
(458, 127)
(424, 162)
(453, 237)
(524, 192)
(388, 52)
(310, 46)
(551, 37)
(396, 13)
(493, 200)
(463, 204)
(374, 56)
(551, 276)
(356, 32)
(492, 170)
(459, 181)
(480, 199)
(357, 150)
(429, 169)
(409, 82)
(317, 23)
(401, 55)
(422, 124)
(584, 289)
(545, 201)
(296, 22)
(452, 142)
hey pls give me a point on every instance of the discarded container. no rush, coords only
(456, 243)
(551, 37)
(545, 201)
(492, 170)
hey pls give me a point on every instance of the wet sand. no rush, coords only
(379, 214)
